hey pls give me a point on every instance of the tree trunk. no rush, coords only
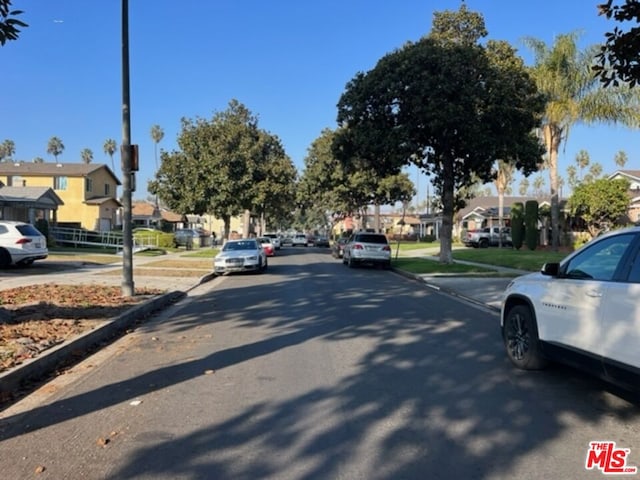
(447, 211)
(246, 227)
(552, 138)
(376, 217)
(227, 227)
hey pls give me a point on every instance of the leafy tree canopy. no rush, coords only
(223, 167)
(450, 107)
(619, 57)
(600, 203)
(9, 25)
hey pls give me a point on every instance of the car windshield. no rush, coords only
(242, 245)
(264, 240)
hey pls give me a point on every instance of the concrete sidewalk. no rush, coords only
(476, 288)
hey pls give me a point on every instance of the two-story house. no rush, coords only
(88, 190)
(633, 177)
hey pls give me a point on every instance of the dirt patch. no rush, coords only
(38, 317)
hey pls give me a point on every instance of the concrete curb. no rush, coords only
(445, 290)
(49, 360)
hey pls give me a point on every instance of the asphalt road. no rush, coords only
(314, 370)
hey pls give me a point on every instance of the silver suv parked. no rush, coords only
(367, 248)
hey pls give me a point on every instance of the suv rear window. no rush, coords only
(371, 238)
(28, 230)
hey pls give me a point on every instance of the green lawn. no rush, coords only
(522, 259)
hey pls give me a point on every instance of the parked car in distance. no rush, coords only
(187, 237)
(275, 240)
(268, 247)
(21, 244)
(299, 240)
(488, 236)
(240, 256)
(582, 311)
(367, 248)
(337, 247)
(321, 241)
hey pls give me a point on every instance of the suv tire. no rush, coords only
(520, 336)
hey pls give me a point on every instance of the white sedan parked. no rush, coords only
(240, 256)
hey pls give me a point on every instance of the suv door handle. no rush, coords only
(594, 293)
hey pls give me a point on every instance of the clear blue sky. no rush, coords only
(286, 60)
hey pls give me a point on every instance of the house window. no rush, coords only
(59, 183)
(16, 181)
(88, 185)
(107, 189)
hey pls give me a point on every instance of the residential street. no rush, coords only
(315, 370)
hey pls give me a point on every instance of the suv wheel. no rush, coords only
(520, 336)
(350, 262)
(483, 243)
(5, 258)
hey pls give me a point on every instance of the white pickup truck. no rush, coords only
(488, 236)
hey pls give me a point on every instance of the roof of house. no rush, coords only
(147, 209)
(634, 174)
(489, 205)
(53, 169)
(41, 195)
(101, 200)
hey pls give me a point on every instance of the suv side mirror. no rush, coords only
(551, 269)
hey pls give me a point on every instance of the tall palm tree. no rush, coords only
(55, 147)
(157, 134)
(563, 73)
(7, 149)
(621, 159)
(504, 177)
(110, 147)
(523, 189)
(582, 161)
(87, 155)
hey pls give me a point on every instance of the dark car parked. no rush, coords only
(322, 242)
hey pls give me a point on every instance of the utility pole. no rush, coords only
(128, 289)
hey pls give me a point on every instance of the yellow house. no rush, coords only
(88, 190)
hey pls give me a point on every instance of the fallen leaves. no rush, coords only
(38, 317)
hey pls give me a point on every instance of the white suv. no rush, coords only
(367, 248)
(21, 244)
(583, 311)
(299, 239)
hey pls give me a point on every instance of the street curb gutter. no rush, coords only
(51, 359)
(447, 291)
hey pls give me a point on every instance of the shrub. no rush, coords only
(517, 225)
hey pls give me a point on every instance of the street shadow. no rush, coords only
(431, 394)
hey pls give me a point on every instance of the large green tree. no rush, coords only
(341, 190)
(9, 24)
(216, 166)
(617, 59)
(274, 183)
(563, 73)
(447, 104)
(600, 203)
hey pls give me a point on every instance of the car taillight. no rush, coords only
(22, 241)
(386, 248)
(357, 246)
